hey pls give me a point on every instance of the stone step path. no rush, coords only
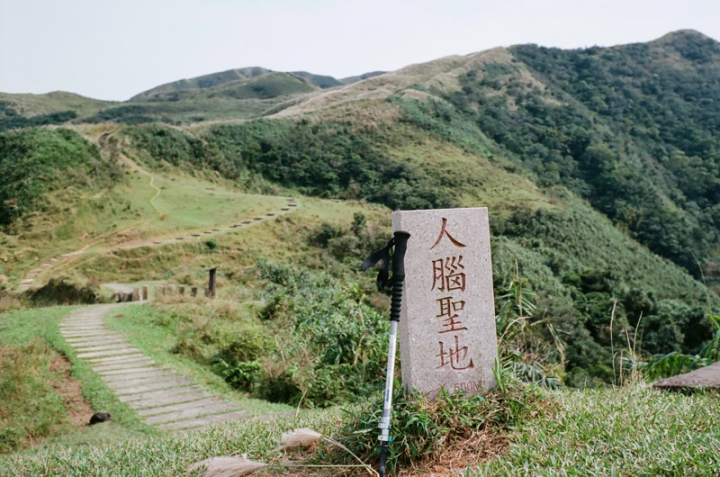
(30, 278)
(291, 205)
(161, 397)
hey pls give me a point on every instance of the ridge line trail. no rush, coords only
(159, 239)
(135, 166)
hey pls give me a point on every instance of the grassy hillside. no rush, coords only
(600, 167)
(205, 81)
(631, 431)
(234, 94)
(29, 105)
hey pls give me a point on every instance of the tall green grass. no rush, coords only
(30, 409)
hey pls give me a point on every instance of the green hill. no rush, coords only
(600, 166)
(205, 81)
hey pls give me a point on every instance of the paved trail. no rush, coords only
(161, 397)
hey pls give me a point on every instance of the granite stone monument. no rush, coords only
(447, 325)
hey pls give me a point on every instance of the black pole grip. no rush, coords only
(401, 239)
(398, 277)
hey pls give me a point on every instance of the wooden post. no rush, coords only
(144, 293)
(182, 291)
(193, 292)
(211, 284)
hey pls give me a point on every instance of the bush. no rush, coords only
(329, 346)
(60, 291)
(34, 161)
(423, 429)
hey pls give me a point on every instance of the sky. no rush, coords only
(114, 49)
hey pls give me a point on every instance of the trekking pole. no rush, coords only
(400, 243)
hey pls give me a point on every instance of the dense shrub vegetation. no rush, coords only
(34, 161)
(630, 130)
(12, 120)
(322, 159)
(312, 343)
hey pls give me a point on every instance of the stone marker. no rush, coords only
(144, 293)
(447, 326)
(193, 292)
(135, 294)
(707, 377)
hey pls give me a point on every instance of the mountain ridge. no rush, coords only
(601, 167)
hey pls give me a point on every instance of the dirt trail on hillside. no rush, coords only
(136, 167)
(61, 262)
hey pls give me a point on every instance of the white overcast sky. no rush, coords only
(114, 49)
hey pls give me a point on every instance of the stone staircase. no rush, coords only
(161, 397)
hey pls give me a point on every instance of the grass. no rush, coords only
(237, 249)
(34, 104)
(168, 455)
(618, 431)
(33, 338)
(476, 181)
(29, 407)
(621, 431)
(125, 215)
(151, 329)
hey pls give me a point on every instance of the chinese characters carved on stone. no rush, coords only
(449, 276)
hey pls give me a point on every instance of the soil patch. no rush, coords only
(78, 409)
(481, 447)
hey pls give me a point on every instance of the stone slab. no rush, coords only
(100, 354)
(78, 329)
(139, 376)
(126, 389)
(125, 364)
(190, 413)
(86, 336)
(204, 421)
(82, 319)
(160, 401)
(707, 377)
(129, 371)
(83, 328)
(111, 347)
(114, 359)
(179, 407)
(447, 325)
(98, 341)
(67, 328)
(167, 392)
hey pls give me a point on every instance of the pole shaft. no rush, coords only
(387, 402)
